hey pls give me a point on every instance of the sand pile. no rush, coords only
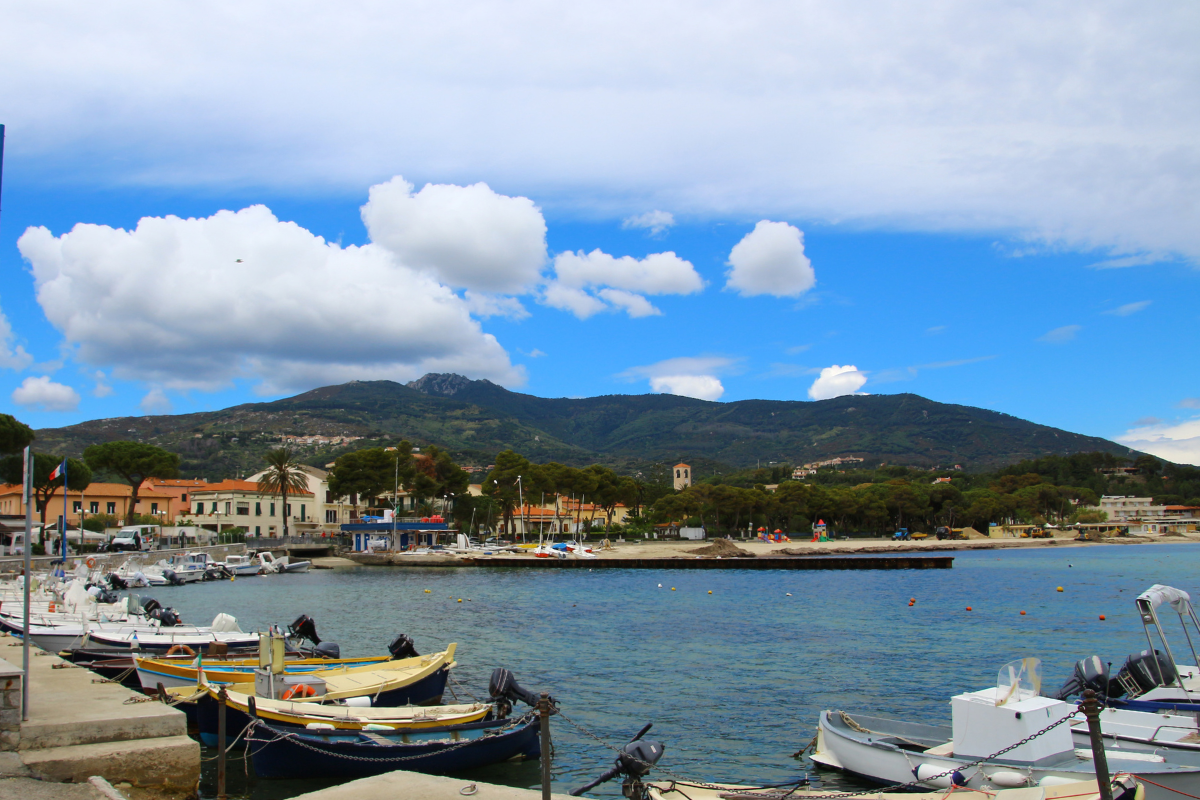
(721, 547)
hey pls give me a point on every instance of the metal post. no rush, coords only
(1091, 711)
(221, 744)
(544, 713)
(26, 491)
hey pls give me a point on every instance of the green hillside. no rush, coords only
(476, 419)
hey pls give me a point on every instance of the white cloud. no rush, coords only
(103, 389)
(701, 387)
(42, 394)
(156, 402)
(491, 305)
(1066, 122)
(688, 376)
(1178, 442)
(196, 303)
(1129, 261)
(466, 236)
(836, 381)
(11, 356)
(1130, 308)
(657, 222)
(1189, 402)
(1060, 335)
(617, 283)
(770, 260)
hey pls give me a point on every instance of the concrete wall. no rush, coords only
(11, 678)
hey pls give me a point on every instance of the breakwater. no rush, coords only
(781, 562)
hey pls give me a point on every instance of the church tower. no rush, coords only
(683, 476)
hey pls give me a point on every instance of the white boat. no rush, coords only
(241, 565)
(986, 747)
(271, 564)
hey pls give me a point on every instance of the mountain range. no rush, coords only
(475, 419)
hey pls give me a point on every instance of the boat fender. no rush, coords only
(924, 772)
(181, 649)
(319, 726)
(1008, 779)
(357, 702)
(1053, 780)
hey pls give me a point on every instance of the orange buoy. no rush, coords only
(968, 608)
(1101, 617)
(1022, 613)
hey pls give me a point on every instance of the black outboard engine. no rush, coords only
(635, 761)
(150, 605)
(167, 617)
(1144, 671)
(403, 647)
(172, 578)
(116, 582)
(1090, 673)
(503, 690)
(304, 628)
(107, 596)
(327, 650)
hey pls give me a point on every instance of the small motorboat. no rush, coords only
(270, 564)
(240, 566)
(989, 746)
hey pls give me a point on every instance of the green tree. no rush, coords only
(14, 435)
(371, 473)
(501, 483)
(283, 475)
(134, 462)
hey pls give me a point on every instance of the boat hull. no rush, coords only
(279, 753)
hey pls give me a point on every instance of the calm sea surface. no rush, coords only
(734, 680)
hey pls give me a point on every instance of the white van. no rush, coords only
(136, 537)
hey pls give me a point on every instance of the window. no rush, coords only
(183, 497)
(243, 509)
(258, 509)
(329, 497)
(77, 506)
(257, 532)
(214, 506)
(199, 508)
(302, 512)
(228, 507)
(272, 509)
(154, 508)
(331, 516)
(112, 508)
(94, 507)
(287, 509)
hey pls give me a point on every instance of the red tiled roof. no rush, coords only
(239, 486)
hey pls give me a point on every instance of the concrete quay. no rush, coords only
(416, 786)
(79, 726)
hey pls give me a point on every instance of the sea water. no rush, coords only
(733, 680)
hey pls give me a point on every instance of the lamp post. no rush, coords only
(521, 499)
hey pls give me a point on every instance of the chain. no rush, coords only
(766, 796)
(294, 738)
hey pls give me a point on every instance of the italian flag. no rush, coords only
(59, 471)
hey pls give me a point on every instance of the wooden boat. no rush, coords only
(298, 714)
(283, 753)
(1124, 787)
(180, 670)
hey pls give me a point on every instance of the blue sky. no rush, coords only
(907, 203)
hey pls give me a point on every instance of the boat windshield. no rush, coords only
(1019, 680)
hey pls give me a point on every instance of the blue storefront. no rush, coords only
(395, 536)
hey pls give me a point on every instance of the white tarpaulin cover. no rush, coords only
(1158, 594)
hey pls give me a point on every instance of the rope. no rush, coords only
(856, 727)
(1168, 788)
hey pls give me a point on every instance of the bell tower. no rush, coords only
(683, 476)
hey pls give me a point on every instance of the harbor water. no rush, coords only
(731, 666)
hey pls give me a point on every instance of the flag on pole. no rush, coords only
(59, 471)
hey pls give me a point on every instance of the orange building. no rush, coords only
(179, 488)
(98, 498)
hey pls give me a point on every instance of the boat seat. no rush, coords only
(946, 749)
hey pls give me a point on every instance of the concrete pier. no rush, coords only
(415, 786)
(79, 725)
(907, 561)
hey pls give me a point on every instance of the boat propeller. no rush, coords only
(634, 762)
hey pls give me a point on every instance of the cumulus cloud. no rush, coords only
(156, 402)
(194, 303)
(836, 381)
(103, 388)
(42, 394)
(468, 237)
(1130, 308)
(770, 260)
(587, 284)
(688, 376)
(491, 305)
(1065, 122)
(1189, 402)
(1060, 335)
(1178, 442)
(12, 356)
(657, 222)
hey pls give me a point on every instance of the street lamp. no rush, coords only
(521, 498)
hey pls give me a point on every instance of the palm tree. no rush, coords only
(284, 474)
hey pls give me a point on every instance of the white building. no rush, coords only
(1142, 516)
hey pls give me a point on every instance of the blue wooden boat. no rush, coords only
(279, 752)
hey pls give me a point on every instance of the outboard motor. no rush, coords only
(1144, 671)
(116, 582)
(167, 617)
(327, 650)
(635, 761)
(403, 647)
(150, 605)
(1090, 673)
(107, 596)
(172, 578)
(304, 628)
(503, 690)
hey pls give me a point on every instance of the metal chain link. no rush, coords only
(895, 788)
(293, 737)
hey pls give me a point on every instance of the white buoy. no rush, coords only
(1008, 779)
(925, 772)
(660, 586)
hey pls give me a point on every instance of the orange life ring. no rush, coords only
(298, 691)
(176, 649)
(91, 562)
